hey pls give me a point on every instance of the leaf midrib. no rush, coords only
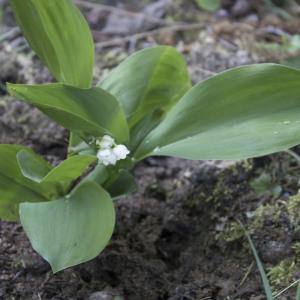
(71, 113)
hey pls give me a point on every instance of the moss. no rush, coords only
(283, 273)
(233, 231)
(266, 212)
(293, 209)
(296, 248)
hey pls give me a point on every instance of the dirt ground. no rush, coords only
(178, 237)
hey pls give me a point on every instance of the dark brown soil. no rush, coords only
(176, 238)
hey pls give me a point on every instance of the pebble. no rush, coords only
(252, 20)
(222, 13)
(105, 295)
(241, 8)
(101, 296)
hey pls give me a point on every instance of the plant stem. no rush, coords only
(295, 155)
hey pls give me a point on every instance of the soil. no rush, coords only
(178, 237)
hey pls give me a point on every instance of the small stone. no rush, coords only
(241, 8)
(261, 297)
(222, 13)
(252, 20)
(157, 9)
(101, 296)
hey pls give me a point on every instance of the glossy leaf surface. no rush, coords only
(60, 36)
(244, 112)
(71, 230)
(84, 111)
(150, 79)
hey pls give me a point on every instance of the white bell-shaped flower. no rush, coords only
(109, 153)
(107, 157)
(121, 151)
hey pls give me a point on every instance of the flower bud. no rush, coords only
(106, 142)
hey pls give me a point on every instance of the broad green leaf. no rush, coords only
(209, 5)
(84, 111)
(32, 165)
(244, 112)
(149, 80)
(56, 180)
(12, 193)
(60, 36)
(71, 230)
(69, 169)
(14, 187)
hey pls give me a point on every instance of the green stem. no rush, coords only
(293, 154)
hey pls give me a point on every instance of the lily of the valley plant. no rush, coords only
(146, 106)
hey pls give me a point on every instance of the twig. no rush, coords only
(109, 8)
(247, 274)
(9, 34)
(284, 290)
(142, 35)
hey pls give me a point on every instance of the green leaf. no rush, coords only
(58, 179)
(61, 177)
(32, 165)
(71, 230)
(244, 112)
(84, 111)
(123, 185)
(69, 169)
(298, 292)
(60, 36)
(262, 272)
(209, 5)
(14, 187)
(149, 80)
(142, 129)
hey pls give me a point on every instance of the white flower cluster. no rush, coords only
(110, 152)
